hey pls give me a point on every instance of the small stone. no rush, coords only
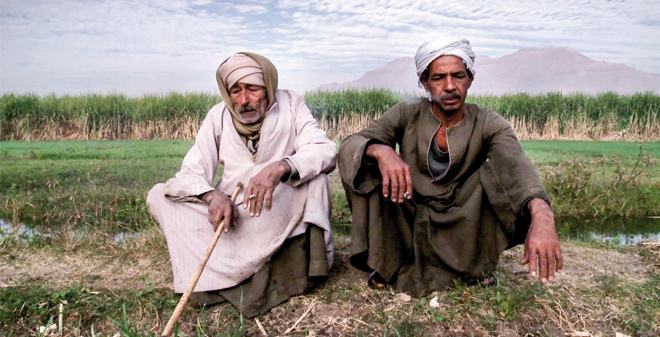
(405, 298)
(434, 302)
(43, 330)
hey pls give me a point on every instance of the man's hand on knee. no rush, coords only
(542, 242)
(220, 207)
(397, 183)
(260, 188)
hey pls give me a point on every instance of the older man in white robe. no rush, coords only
(279, 242)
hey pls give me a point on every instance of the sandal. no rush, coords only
(489, 281)
(376, 281)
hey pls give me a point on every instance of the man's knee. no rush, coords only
(322, 178)
(319, 187)
(156, 197)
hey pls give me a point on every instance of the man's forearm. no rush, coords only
(283, 169)
(376, 150)
(208, 196)
(538, 206)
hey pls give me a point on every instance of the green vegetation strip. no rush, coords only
(102, 185)
(117, 116)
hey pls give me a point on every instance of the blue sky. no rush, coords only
(138, 47)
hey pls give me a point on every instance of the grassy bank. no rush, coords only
(606, 116)
(83, 193)
(55, 186)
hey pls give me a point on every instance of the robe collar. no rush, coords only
(458, 138)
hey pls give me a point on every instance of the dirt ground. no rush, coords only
(342, 305)
(110, 267)
(57, 268)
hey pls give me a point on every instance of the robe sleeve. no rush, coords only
(201, 162)
(314, 152)
(357, 171)
(509, 178)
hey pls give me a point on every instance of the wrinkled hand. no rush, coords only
(220, 207)
(262, 185)
(542, 242)
(395, 172)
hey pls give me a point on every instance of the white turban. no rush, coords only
(431, 50)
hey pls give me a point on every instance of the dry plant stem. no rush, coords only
(300, 319)
(261, 327)
(193, 282)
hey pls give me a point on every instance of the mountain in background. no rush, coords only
(527, 70)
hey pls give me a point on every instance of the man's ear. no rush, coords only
(424, 82)
(471, 78)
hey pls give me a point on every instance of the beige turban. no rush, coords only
(241, 68)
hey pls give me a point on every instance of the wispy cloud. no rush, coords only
(251, 9)
(127, 46)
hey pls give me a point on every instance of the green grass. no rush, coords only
(102, 308)
(84, 185)
(32, 306)
(600, 183)
(552, 152)
(106, 150)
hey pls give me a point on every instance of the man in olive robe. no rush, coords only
(459, 191)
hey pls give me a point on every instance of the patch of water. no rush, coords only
(25, 233)
(618, 231)
(6, 230)
(122, 237)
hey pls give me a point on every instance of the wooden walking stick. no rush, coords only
(193, 282)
